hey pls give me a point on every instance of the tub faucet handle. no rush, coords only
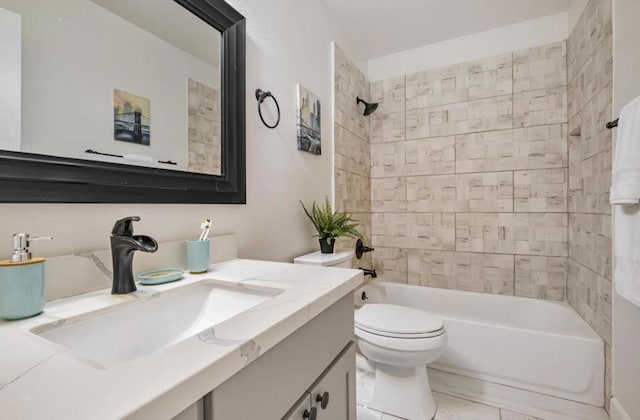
(361, 248)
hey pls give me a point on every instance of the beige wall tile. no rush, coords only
(431, 231)
(349, 83)
(543, 67)
(540, 107)
(389, 94)
(436, 193)
(548, 234)
(461, 117)
(351, 153)
(474, 116)
(352, 156)
(503, 233)
(590, 242)
(596, 173)
(349, 115)
(595, 75)
(387, 127)
(432, 268)
(590, 295)
(485, 192)
(430, 156)
(595, 137)
(497, 274)
(540, 277)
(492, 76)
(341, 190)
(590, 180)
(541, 147)
(358, 192)
(389, 194)
(463, 271)
(540, 85)
(522, 148)
(391, 264)
(387, 159)
(590, 107)
(389, 230)
(542, 190)
(418, 125)
(437, 87)
(592, 27)
(485, 152)
(454, 151)
(470, 232)
(512, 233)
(364, 227)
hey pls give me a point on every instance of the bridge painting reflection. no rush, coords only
(131, 118)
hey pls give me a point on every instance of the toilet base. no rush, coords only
(403, 392)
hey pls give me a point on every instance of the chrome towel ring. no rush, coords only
(261, 96)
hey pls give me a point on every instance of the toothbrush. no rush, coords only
(205, 226)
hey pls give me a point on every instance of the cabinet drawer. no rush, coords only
(271, 384)
(334, 395)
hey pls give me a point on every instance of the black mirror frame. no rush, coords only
(35, 178)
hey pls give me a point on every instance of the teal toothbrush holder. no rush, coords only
(198, 256)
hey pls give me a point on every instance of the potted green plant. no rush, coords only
(330, 225)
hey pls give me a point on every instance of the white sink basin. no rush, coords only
(134, 330)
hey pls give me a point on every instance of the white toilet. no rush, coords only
(399, 342)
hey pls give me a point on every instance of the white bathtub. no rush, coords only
(530, 344)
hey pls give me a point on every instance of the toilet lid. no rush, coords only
(395, 320)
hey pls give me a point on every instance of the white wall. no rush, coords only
(10, 75)
(289, 41)
(531, 33)
(626, 317)
(74, 54)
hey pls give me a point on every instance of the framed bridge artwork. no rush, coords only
(308, 122)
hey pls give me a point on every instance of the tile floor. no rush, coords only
(452, 408)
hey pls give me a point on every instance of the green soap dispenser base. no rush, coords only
(21, 288)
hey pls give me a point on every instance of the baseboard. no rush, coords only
(518, 400)
(617, 410)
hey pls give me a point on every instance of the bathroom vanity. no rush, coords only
(266, 387)
(266, 340)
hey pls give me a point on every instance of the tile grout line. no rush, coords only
(525, 127)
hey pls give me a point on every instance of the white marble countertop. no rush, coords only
(41, 380)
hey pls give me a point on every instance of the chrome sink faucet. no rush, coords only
(123, 244)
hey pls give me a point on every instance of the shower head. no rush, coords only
(369, 108)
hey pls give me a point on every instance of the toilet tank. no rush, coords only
(337, 259)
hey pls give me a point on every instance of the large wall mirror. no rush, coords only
(122, 101)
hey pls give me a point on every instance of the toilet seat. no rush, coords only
(399, 328)
(434, 342)
(397, 321)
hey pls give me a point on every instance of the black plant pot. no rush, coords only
(326, 246)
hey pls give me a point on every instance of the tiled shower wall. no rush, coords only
(469, 175)
(590, 58)
(351, 148)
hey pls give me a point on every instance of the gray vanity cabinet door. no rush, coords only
(300, 409)
(336, 388)
(194, 412)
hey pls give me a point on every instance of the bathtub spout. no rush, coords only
(368, 272)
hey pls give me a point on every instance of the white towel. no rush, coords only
(625, 186)
(627, 252)
(625, 191)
